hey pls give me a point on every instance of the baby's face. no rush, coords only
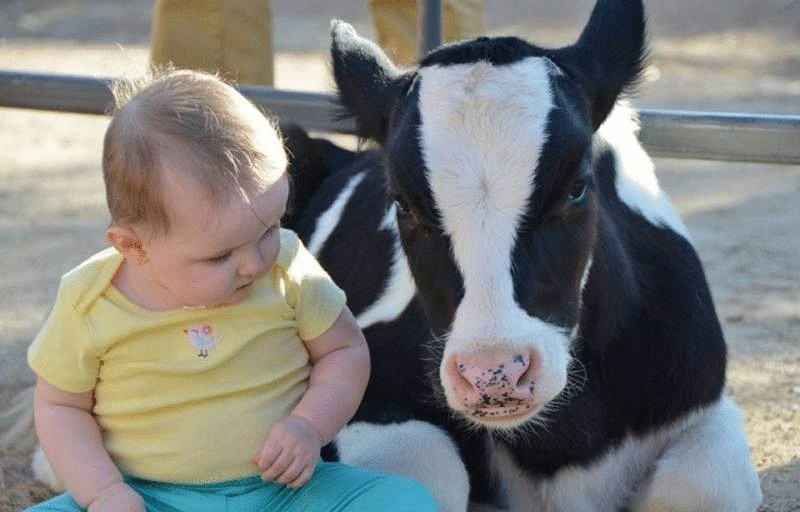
(215, 251)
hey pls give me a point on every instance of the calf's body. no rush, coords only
(542, 333)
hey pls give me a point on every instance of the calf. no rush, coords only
(542, 333)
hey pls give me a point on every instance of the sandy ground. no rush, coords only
(743, 218)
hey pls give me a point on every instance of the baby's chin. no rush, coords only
(239, 295)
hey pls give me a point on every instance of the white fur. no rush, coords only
(585, 275)
(400, 288)
(584, 279)
(328, 221)
(707, 468)
(414, 449)
(482, 132)
(43, 471)
(701, 462)
(636, 181)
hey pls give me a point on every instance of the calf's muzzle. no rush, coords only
(491, 383)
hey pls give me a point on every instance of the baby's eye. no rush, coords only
(220, 258)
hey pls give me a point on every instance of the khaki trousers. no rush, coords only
(234, 37)
(231, 37)
(398, 28)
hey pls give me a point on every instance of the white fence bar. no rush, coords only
(92, 95)
(677, 134)
(721, 136)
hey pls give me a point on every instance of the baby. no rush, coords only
(203, 360)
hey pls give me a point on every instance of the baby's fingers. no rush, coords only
(292, 472)
(278, 467)
(268, 455)
(303, 479)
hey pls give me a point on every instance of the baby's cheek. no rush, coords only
(216, 283)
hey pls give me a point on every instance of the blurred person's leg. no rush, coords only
(398, 29)
(232, 37)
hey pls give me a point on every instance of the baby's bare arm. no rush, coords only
(339, 375)
(71, 440)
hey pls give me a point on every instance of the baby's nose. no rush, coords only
(251, 266)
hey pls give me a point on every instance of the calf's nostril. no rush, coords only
(495, 374)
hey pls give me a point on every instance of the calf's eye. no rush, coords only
(577, 191)
(401, 205)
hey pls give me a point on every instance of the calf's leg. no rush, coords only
(706, 467)
(413, 449)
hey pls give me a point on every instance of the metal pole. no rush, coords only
(667, 133)
(92, 95)
(430, 16)
(62, 93)
(721, 136)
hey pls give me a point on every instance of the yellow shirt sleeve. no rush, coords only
(62, 353)
(316, 299)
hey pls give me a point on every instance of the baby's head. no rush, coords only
(190, 126)
(195, 182)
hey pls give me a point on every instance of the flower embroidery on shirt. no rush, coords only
(202, 338)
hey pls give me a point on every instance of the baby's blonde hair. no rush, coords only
(228, 145)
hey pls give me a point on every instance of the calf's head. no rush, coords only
(488, 153)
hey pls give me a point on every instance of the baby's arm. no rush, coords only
(339, 375)
(71, 439)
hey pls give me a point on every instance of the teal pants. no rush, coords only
(334, 487)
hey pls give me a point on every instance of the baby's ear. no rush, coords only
(128, 243)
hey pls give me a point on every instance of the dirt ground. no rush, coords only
(743, 218)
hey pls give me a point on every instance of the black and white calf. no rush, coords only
(542, 333)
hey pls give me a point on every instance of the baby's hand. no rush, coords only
(290, 452)
(117, 497)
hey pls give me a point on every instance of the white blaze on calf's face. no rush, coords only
(482, 131)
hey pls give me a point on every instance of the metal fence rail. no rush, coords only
(678, 134)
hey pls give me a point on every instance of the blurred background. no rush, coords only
(715, 54)
(719, 55)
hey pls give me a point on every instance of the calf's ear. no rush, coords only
(609, 55)
(368, 82)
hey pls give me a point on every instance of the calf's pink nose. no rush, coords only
(492, 380)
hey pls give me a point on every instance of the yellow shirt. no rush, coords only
(189, 395)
